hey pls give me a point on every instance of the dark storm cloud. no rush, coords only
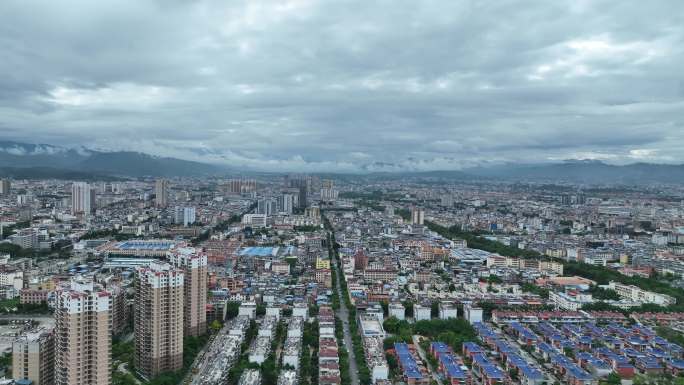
(322, 85)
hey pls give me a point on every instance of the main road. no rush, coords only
(343, 314)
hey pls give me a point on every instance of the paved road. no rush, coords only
(423, 356)
(343, 313)
(43, 318)
(530, 358)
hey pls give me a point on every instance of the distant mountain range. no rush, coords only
(24, 160)
(41, 158)
(585, 171)
(53, 173)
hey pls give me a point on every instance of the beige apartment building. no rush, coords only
(33, 357)
(120, 310)
(158, 319)
(83, 335)
(193, 262)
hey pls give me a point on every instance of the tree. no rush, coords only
(260, 310)
(215, 326)
(603, 294)
(385, 307)
(613, 379)
(408, 307)
(534, 289)
(569, 352)
(513, 373)
(494, 279)
(434, 309)
(233, 309)
(119, 378)
(6, 360)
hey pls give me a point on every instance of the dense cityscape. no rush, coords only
(303, 279)
(347, 192)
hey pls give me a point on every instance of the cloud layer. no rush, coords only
(348, 85)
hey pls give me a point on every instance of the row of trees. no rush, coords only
(96, 234)
(16, 251)
(342, 353)
(308, 363)
(534, 289)
(15, 306)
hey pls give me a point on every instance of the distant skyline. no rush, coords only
(351, 85)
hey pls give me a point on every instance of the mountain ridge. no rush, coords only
(16, 155)
(64, 160)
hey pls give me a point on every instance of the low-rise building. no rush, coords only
(287, 377)
(291, 351)
(295, 327)
(422, 312)
(472, 314)
(248, 309)
(636, 294)
(250, 377)
(447, 310)
(259, 350)
(370, 326)
(397, 310)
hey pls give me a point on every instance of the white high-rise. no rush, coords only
(286, 203)
(184, 215)
(82, 198)
(266, 206)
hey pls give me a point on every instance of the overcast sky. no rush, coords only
(341, 85)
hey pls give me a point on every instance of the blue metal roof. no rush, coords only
(489, 370)
(145, 245)
(525, 368)
(408, 363)
(629, 352)
(524, 331)
(571, 368)
(453, 369)
(440, 347)
(544, 347)
(472, 347)
(592, 360)
(621, 360)
(259, 251)
(504, 347)
(679, 364)
(585, 339)
(484, 331)
(648, 363)
(593, 329)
